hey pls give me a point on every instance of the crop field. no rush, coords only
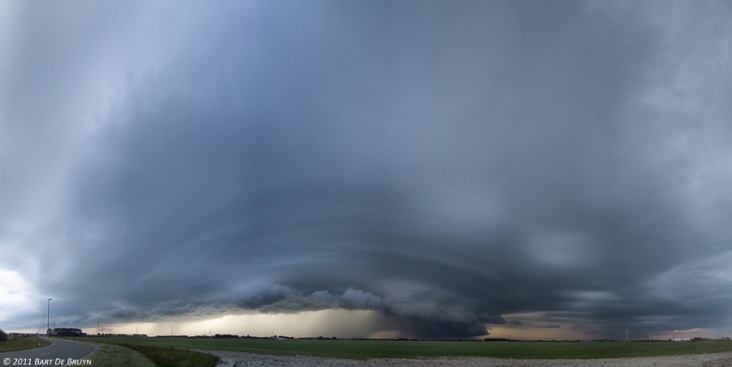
(363, 349)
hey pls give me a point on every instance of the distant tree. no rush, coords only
(3, 336)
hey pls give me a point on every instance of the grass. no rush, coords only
(123, 353)
(364, 349)
(15, 343)
(118, 356)
(175, 357)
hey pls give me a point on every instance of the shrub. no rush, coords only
(3, 336)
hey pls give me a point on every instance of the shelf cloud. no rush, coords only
(440, 164)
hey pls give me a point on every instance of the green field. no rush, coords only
(14, 343)
(362, 349)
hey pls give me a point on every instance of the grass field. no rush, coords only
(362, 349)
(14, 343)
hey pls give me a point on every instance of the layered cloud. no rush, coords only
(441, 164)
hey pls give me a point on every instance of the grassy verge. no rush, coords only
(118, 356)
(30, 342)
(175, 357)
(119, 352)
(363, 349)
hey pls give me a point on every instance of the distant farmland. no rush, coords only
(366, 349)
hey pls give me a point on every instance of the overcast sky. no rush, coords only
(445, 168)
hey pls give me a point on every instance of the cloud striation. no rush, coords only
(443, 164)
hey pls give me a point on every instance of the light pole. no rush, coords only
(43, 322)
(49, 317)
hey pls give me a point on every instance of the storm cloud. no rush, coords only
(440, 163)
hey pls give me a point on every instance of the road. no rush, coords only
(61, 353)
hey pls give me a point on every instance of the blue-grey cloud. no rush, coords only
(442, 164)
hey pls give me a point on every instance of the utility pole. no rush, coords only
(49, 316)
(626, 335)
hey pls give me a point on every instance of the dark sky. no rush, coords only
(443, 164)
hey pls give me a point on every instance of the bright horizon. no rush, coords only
(360, 325)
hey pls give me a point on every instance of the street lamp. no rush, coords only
(49, 317)
(43, 322)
